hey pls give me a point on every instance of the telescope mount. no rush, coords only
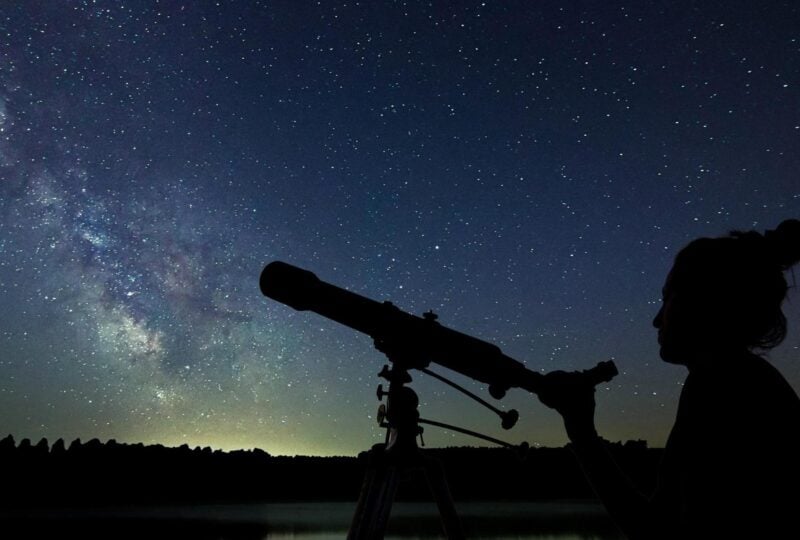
(399, 456)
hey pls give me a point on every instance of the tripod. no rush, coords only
(391, 461)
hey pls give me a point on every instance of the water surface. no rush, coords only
(494, 520)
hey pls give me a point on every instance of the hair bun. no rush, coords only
(784, 242)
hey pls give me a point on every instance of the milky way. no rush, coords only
(527, 171)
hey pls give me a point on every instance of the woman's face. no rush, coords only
(682, 332)
(667, 322)
(694, 322)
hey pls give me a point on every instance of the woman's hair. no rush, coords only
(739, 282)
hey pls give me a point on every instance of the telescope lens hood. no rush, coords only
(289, 285)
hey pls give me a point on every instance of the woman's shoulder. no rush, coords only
(760, 371)
(769, 403)
(747, 385)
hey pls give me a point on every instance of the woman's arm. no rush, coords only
(630, 509)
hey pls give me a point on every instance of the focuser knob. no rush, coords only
(497, 392)
(509, 418)
(381, 392)
(381, 415)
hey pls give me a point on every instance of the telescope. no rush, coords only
(410, 341)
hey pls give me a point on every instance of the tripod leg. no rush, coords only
(437, 482)
(376, 498)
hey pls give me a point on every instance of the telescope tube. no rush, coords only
(413, 341)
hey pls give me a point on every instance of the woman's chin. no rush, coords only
(672, 356)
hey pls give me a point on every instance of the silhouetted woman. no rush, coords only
(731, 466)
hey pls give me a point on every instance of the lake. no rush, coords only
(329, 521)
(482, 520)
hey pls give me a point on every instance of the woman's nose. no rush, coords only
(659, 318)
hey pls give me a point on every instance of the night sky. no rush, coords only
(527, 170)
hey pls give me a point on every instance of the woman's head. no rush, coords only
(725, 294)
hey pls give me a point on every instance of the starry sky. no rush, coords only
(527, 170)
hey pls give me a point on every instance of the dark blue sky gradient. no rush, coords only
(528, 170)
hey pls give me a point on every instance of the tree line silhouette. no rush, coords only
(111, 473)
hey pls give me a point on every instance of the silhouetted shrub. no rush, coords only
(58, 447)
(7, 444)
